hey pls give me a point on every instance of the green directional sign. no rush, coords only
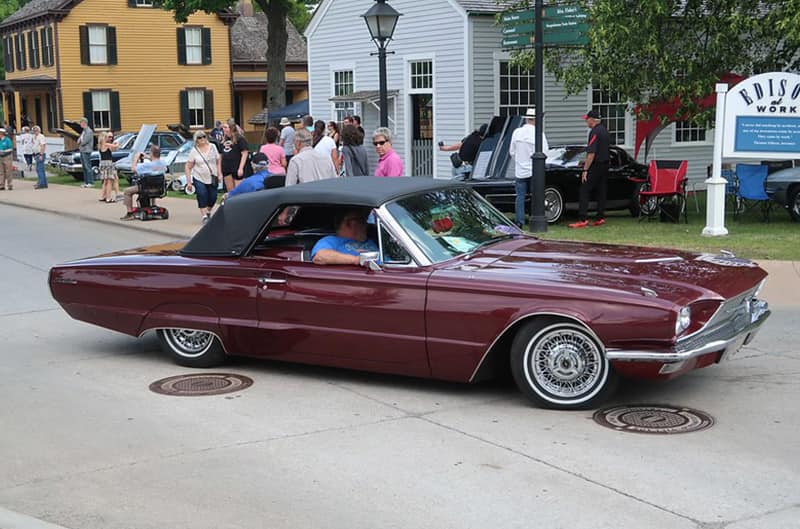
(519, 16)
(518, 30)
(558, 26)
(561, 12)
(516, 42)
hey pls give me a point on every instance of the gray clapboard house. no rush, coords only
(447, 75)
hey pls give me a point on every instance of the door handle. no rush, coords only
(271, 281)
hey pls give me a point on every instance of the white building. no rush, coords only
(448, 74)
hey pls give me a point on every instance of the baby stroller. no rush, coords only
(151, 187)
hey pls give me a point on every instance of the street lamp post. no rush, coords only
(381, 20)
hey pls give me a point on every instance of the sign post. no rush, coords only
(715, 186)
(538, 221)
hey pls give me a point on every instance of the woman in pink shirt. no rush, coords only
(389, 163)
(276, 156)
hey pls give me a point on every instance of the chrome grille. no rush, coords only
(731, 317)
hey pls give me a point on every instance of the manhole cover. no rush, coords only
(198, 385)
(653, 419)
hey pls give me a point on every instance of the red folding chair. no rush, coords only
(666, 191)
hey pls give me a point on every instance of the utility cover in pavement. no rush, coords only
(201, 384)
(653, 419)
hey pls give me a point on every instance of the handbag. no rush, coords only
(214, 178)
(455, 159)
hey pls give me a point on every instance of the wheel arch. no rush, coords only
(183, 316)
(495, 360)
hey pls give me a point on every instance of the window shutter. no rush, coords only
(49, 107)
(111, 43)
(31, 59)
(181, 45)
(206, 33)
(131, 3)
(8, 53)
(42, 36)
(208, 109)
(33, 37)
(21, 55)
(84, 34)
(87, 108)
(116, 122)
(184, 98)
(51, 54)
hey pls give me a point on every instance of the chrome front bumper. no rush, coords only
(727, 337)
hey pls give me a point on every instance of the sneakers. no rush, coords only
(204, 219)
(37, 186)
(128, 216)
(579, 224)
(599, 222)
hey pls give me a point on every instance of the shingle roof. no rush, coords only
(485, 6)
(32, 9)
(249, 41)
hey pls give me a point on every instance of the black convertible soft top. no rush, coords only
(234, 226)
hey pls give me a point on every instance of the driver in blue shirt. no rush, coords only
(349, 242)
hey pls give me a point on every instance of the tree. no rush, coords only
(277, 12)
(664, 49)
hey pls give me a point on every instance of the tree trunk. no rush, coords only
(276, 11)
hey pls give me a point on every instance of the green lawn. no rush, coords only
(57, 176)
(748, 236)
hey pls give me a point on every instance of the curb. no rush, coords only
(136, 227)
(15, 520)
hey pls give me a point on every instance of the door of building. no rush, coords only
(422, 135)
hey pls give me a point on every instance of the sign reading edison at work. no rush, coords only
(762, 117)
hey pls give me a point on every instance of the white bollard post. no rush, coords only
(715, 186)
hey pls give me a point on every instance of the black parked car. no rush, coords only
(562, 182)
(784, 188)
(70, 161)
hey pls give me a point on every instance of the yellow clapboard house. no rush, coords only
(120, 63)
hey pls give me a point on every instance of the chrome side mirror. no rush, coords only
(370, 260)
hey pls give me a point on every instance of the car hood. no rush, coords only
(597, 269)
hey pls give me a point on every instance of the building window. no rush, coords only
(421, 75)
(517, 90)
(614, 113)
(98, 51)
(343, 85)
(33, 48)
(194, 46)
(47, 46)
(688, 132)
(196, 108)
(19, 48)
(101, 110)
(8, 53)
(144, 3)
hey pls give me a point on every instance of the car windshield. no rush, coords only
(572, 156)
(450, 222)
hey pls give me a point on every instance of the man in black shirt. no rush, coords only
(594, 176)
(467, 150)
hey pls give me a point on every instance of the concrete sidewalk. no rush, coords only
(77, 202)
(184, 221)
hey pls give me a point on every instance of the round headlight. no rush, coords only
(684, 320)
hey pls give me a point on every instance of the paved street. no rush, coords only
(85, 445)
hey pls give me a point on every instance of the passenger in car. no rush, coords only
(349, 242)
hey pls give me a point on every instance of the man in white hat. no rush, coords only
(287, 138)
(6, 161)
(523, 145)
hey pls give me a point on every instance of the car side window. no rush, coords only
(392, 252)
(168, 142)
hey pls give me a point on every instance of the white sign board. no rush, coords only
(762, 118)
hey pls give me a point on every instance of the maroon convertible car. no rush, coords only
(456, 292)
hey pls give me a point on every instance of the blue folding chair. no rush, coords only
(750, 190)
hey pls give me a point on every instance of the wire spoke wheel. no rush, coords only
(561, 365)
(191, 343)
(191, 347)
(553, 204)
